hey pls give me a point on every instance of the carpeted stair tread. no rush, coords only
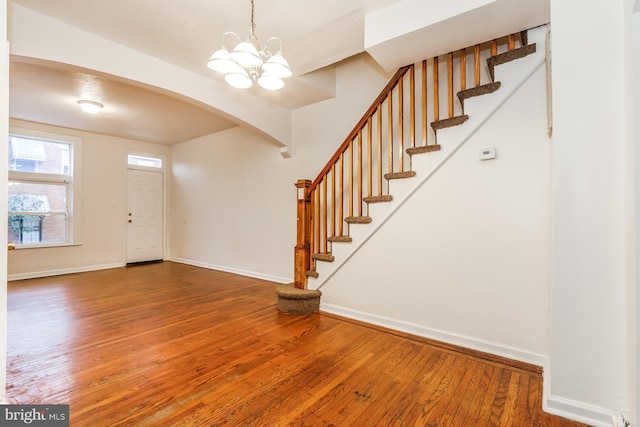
(294, 300)
(509, 56)
(477, 91)
(423, 149)
(323, 257)
(340, 239)
(378, 199)
(312, 273)
(290, 291)
(399, 175)
(450, 122)
(358, 219)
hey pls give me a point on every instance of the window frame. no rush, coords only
(151, 157)
(160, 157)
(71, 182)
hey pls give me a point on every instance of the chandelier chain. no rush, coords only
(253, 25)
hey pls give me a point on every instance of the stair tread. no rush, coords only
(478, 91)
(399, 175)
(450, 122)
(341, 239)
(423, 149)
(358, 219)
(327, 257)
(290, 292)
(509, 56)
(312, 273)
(378, 199)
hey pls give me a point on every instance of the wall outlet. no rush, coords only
(487, 154)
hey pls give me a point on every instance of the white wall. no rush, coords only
(592, 220)
(234, 201)
(233, 205)
(636, 110)
(466, 259)
(103, 200)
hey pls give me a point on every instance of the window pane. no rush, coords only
(47, 224)
(150, 162)
(36, 229)
(38, 155)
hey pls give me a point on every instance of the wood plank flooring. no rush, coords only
(174, 345)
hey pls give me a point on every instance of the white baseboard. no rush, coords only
(582, 412)
(61, 271)
(254, 274)
(435, 334)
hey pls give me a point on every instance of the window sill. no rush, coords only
(43, 245)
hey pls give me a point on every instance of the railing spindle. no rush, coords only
(390, 132)
(351, 179)
(494, 47)
(325, 221)
(369, 158)
(424, 102)
(333, 200)
(379, 113)
(360, 183)
(436, 90)
(412, 106)
(400, 126)
(476, 57)
(318, 220)
(463, 69)
(341, 195)
(450, 83)
(512, 41)
(314, 222)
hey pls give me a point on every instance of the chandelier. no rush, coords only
(247, 63)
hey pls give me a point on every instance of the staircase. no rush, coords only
(400, 142)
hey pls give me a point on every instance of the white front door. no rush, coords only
(144, 216)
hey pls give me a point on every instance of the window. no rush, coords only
(41, 189)
(144, 161)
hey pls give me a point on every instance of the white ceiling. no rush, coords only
(315, 35)
(47, 94)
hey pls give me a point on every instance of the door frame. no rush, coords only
(163, 170)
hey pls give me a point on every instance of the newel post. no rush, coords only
(302, 253)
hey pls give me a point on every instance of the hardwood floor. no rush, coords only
(175, 345)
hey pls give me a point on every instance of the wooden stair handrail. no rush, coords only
(363, 121)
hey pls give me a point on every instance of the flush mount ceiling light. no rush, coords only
(246, 63)
(90, 107)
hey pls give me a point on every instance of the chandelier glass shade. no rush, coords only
(247, 63)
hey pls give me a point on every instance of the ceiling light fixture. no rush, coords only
(246, 63)
(91, 107)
